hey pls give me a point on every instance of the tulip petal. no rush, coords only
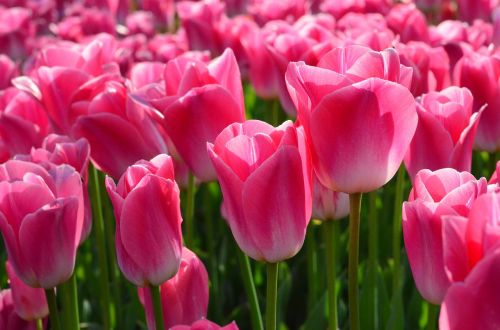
(455, 247)
(151, 228)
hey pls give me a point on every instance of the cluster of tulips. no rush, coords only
(172, 116)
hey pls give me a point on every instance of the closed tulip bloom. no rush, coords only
(205, 325)
(328, 204)
(29, 303)
(474, 303)
(445, 192)
(265, 177)
(351, 125)
(201, 100)
(9, 320)
(184, 297)
(148, 221)
(41, 220)
(445, 132)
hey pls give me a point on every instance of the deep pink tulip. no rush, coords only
(16, 32)
(184, 297)
(201, 100)
(29, 303)
(201, 20)
(58, 150)
(205, 325)
(339, 8)
(367, 123)
(9, 320)
(267, 221)
(8, 71)
(328, 204)
(148, 221)
(481, 74)
(445, 132)
(469, 10)
(265, 11)
(85, 22)
(435, 194)
(474, 303)
(23, 123)
(41, 220)
(409, 22)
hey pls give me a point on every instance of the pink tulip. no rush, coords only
(9, 320)
(205, 325)
(367, 123)
(16, 31)
(184, 297)
(148, 221)
(445, 132)
(8, 71)
(265, 11)
(29, 303)
(145, 73)
(473, 304)
(163, 11)
(201, 20)
(435, 194)
(328, 204)
(481, 74)
(41, 220)
(85, 22)
(267, 221)
(200, 101)
(58, 150)
(409, 22)
(23, 123)
(141, 22)
(339, 8)
(469, 10)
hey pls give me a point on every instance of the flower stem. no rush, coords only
(396, 230)
(53, 312)
(101, 249)
(248, 283)
(331, 233)
(312, 267)
(68, 292)
(39, 324)
(433, 312)
(372, 264)
(158, 311)
(355, 208)
(272, 293)
(191, 191)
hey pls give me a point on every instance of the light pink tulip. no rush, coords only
(481, 74)
(473, 304)
(268, 221)
(367, 123)
(445, 132)
(9, 320)
(205, 325)
(148, 221)
(445, 192)
(184, 297)
(58, 150)
(41, 220)
(29, 303)
(145, 73)
(201, 100)
(328, 204)
(141, 22)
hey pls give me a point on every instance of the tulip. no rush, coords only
(481, 74)
(29, 303)
(184, 297)
(41, 220)
(409, 22)
(267, 221)
(9, 320)
(8, 70)
(473, 304)
(205, 325)
(469, 10)
(200, 101)
(446, 128)
(328, 204)
(264, 11)
(85, 22)
(163, 12)
(16, 32)
(148, 221)
(436, 194)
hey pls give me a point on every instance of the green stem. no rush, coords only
(248, 283)
(39, 324)
(354, 220)
(53, 312)
(276, 112)
(101, 249)
(373, 255)
(158, 310)
(396, 229)
(433, 312)
(191, 190)
(312, 267)
(272, 295)
(69, 296)
(331, 233)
